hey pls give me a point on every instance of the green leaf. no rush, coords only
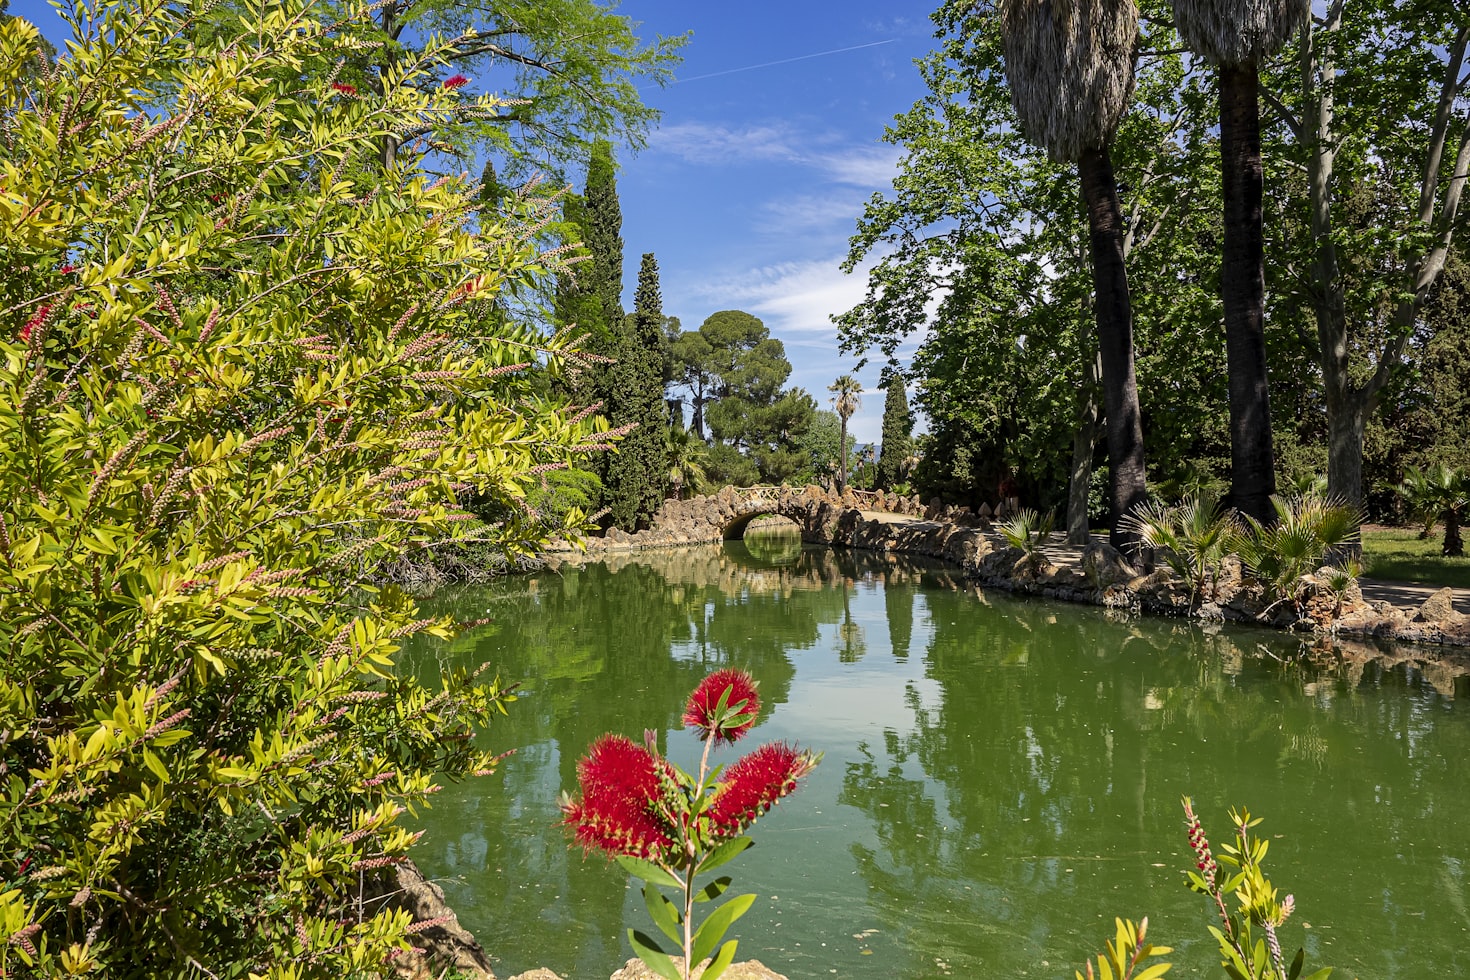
(663, 912)
(1321, 974)
(154, 763)
(713, 929)
(713, 890)
(722, 959)
(724, 853)
(1296, 964)
(648, 871)
(654, 958)
(1154, 972)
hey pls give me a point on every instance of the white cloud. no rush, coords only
(870, 167)
(859, 165)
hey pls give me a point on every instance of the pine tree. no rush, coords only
(898, 439)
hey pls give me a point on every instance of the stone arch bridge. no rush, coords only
(725, 515)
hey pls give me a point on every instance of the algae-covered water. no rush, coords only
(1001, 777)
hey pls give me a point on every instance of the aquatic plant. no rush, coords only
(667, 827)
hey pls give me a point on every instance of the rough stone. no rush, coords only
(446, 945)
(748, 970)
(1440, 608)
(1104, 566)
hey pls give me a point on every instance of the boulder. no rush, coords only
(1440, 608)
(1104, 566)
(749, 970)
(443, 946)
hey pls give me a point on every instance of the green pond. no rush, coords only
(1002, 777)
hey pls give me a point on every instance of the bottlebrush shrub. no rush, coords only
(667, 827)
(240, 366)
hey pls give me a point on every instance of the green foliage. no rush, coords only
(1193, 537)
(980, 220)
(568, 71)
(238, 372)
(1438, 493)
(1244, 954)
(1126, 952)
(896, 456)
(686, 456)
(822, 446)
(1028, 531)
(734, 370)
(637, 473)
(1306, 529)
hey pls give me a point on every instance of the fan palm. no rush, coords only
(846, 399)
(1070, 68)
(1306, 529)
(1194, 536)
(1236, 36)
(1437, 493)
(685, 455)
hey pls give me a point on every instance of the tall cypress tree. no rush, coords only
(898, 428)
(637, 473)
(603, 227)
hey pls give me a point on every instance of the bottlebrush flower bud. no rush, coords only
(724, 705)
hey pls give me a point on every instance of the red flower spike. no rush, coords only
(344, 88)
(67, 269)
(752, 785)
(34, 322)
(619, 812)
(455, 81)
(724, 705)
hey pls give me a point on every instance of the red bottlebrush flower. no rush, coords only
(750, 787)
(620, 810)
(1204, 860)
(724, 705)
(344, 88)
(455, 81)
(67, 269)
(34, 322)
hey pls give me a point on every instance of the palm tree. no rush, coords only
(1236, 36)
(1437, 493)
(1070, 68)
(685, 455)
(846, 400)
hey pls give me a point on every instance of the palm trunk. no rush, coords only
(842, 445)
(1454, 545)
(1243, 288)
(1127, 486)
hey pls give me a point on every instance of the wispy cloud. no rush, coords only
(861, 165)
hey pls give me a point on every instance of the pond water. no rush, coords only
(1002, 777)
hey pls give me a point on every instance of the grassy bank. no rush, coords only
(1397, 554)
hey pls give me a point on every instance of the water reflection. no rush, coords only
(1001, 777)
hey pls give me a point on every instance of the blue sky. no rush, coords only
(768, 147)
(752, 184)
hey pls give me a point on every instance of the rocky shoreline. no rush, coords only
(1094, 574)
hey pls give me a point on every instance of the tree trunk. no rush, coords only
(1114, 312)
(1083, 444)
(842, 447)
(1243, 289)
(1454, 545)
(1345, 422)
